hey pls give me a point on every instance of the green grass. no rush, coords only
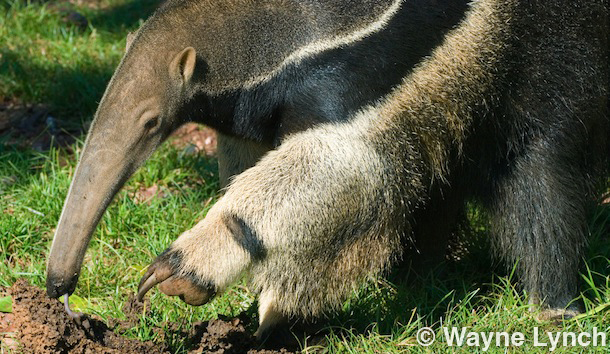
(45, 60)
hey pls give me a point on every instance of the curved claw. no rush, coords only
(163, 273)
(153, 276)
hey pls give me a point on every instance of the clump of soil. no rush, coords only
(224, 336)
(40, 325)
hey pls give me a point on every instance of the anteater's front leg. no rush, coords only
(202, 261)
(305, 222)
(235, 155)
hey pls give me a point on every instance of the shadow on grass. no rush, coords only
(51, 103)
(71, 93)
(124, 17)
(409, 293)
(66, 101)
(472, 281)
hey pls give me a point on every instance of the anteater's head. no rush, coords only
(144, 102)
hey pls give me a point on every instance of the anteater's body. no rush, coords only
(367, 154)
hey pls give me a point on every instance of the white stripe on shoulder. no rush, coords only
(311, 49)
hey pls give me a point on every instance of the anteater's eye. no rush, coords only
(151, 123)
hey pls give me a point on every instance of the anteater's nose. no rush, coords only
(58, 285)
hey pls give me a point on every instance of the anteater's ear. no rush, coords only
(130, 37)
(183, 64)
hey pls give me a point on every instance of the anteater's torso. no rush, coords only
(278, 67)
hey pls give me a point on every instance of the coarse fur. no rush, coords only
(256, 71)
(272, 68)
(511, 109)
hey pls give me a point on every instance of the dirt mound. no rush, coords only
(40, 325)
(227, 336)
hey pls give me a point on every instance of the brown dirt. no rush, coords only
(31, 125)
(196, 138)
(147, 194)
(40, 325)
(224, 336)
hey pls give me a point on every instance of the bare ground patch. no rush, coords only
(40, 325)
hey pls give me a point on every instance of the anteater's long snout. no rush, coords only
(98, 177)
